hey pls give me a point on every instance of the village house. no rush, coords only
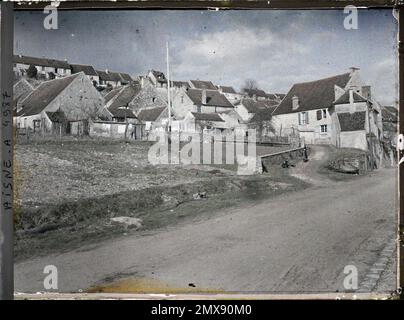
(108, 78)
(154, 117)
(148, 97)
(198, 100)
(247, 107)
(73, 96)
(46, 68)
(157, 78)
(197, 122)
(321, 112)
(258, 94)
(230, 94)
(117, 104)
(357, 123)
(88, 70)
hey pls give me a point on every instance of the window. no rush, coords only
(321, 114)
(153, 99)
(323, 128)
(182, 99)
(198, 109)
(303, 118)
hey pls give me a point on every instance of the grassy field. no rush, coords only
(70, 189)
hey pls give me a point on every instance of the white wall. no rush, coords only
(354, 139)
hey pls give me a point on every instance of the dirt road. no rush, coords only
(297, 242)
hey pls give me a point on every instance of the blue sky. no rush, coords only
(276, 48)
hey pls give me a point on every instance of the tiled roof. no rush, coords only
(43, 62)
(352, 121)
(259, 93)
(207, 117)
(109, 76)
(254, 106)
(122, 113)
(87, 69)
(126, 77)
(150, 114)
(104, 76)
(180, 84)
(226, 89)
(199, 84)
(123, 97)
(261, 115)
(214, 98)
(112, 94)
(312, 95)
(21, 90)
(345, 98)
(44, 94)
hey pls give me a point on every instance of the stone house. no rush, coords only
(357, 123)
(198, 122)
(74, 96)
(230, 94)
(157, 79)
(247, 108)
(46, 68)
(149, 96)
(154, 118)
(322, 111)
(88, 70)
(198, 100)
(108, 78)
(118, 102)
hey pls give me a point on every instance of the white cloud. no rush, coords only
(383, 79)
(230, 57)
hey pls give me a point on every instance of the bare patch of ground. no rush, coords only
(73, 188)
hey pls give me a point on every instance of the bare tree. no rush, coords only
(250, 84)
(32, 72)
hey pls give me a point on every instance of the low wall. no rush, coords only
(276, 159)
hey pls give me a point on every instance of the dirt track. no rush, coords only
(297, 242)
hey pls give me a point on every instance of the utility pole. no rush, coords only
(6, 151)
(168, 91)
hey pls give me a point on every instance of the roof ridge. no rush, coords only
(322, 79)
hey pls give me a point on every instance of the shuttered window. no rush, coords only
(318, 114)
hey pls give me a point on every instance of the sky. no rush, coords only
(275, 48)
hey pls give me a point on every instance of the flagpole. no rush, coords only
(168, 91)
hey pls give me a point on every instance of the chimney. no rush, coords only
(366, 92)
(351, 99)
(204, 97)
(353, 70)
(295, 102)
